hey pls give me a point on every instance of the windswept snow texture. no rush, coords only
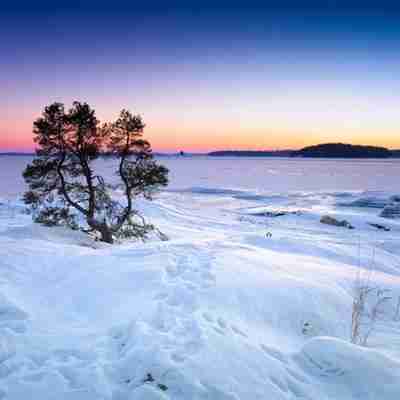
(250, 298)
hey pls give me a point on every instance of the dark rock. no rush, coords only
(379, 226)
(273, 214)
(328, 220)
(149, 378)
(391, 211)
(395, 198)
(162, 387)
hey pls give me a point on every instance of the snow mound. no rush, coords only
(346, 371)
(9, 312)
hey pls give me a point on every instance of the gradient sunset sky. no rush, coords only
(207, 75)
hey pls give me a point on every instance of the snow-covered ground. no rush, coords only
(220, 311)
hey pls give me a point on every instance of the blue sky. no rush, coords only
(207, 75)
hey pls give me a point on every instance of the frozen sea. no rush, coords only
(258, 175)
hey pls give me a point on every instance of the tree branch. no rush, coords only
(63, 187)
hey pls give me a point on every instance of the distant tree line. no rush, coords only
(341, 150)
(327, 150)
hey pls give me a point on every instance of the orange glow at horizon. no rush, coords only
(227, 129)
(193, 140)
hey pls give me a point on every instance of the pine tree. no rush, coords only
(62, 181)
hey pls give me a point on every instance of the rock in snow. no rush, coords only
(368, 202)
(379, 226)
(372, 200)
(326, 219)
(391, 211)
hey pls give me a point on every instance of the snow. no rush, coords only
(220, 311)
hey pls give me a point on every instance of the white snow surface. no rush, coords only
(218, 311)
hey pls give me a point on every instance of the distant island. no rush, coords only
(326, 150)
(342, 150)
(16, 153)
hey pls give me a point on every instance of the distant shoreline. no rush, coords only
(326, 150)
(321, 151)
(16, 154)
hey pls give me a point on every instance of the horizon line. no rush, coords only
(205, 152)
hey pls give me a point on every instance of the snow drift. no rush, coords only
(221, 311)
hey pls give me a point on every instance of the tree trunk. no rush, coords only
(103, 229)
(106, 235)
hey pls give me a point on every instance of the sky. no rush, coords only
(207, 75)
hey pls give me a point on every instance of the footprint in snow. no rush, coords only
(219, 330)
(160, 296)
(11, 317)
(326, 369)
(173, 271)
(297, 389)
(238, 331)
(190, 286)
(182, 297)
(208, 276)
(282, 386)
(178, 357)
(208, 317)
(221, 322)
(274, 353)
(33, 377)
(295, 375)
